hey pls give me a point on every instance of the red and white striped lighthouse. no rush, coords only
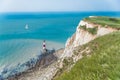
(44, 46)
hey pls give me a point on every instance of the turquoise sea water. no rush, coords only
(18, 44)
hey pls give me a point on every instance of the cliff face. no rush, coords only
(82, 36)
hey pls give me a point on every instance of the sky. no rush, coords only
(58, 5)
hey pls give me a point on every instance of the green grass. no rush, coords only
(112, 22)
(103, 64)
(93, 31)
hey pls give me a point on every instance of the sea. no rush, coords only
(22, 34)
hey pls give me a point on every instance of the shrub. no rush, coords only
(93, 31)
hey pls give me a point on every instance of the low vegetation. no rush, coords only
(67, 64)
(102, 64)
(112, 22)
(93, 31)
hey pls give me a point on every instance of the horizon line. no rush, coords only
(58, 11)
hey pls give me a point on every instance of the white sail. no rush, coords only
(26, 27)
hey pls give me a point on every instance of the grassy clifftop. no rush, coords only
(103, 63)
(109, 21)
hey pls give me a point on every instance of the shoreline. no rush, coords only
(44, 61)
(21, 67)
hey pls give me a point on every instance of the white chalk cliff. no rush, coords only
(81, 36)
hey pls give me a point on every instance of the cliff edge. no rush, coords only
(85, 32)
(92, 52)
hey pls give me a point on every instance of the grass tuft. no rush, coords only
(92, 31)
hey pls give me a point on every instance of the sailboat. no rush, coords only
(26, 27)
